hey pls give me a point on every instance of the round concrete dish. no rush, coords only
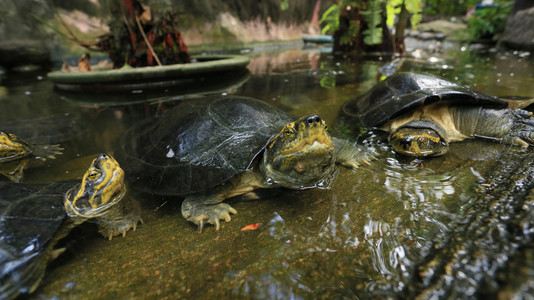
(149, 77)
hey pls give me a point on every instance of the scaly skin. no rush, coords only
(302, 155)
(100, 197)
(510, 126)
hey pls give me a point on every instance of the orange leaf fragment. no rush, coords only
(250, 227)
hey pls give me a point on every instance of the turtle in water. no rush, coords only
(212, 149)
(28, 141)
(424, 113)
(15, 154)
(34, 217)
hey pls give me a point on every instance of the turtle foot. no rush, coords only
(522, 131)
(352, 155)
(201, 214)
(44, 152)
(112, 228)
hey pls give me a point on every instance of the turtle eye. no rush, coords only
(93, 175)
(288, 131)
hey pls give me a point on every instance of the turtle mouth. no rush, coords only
(7, 155)
(307, 148)
(11, 148)
(312, 166)
(77, 209)
(301, 156)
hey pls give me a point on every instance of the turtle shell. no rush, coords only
(198, 144)
(404, 92)
(30, 215)
(44, 130)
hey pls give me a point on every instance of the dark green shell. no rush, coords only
(44, 130)
(405, 92)
(30, 215)
(198, 144)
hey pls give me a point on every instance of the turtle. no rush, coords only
(423, 113)
(35, 216)
(211, 149)
(15, 154)
(26, 141)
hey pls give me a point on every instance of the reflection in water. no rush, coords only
(367, 245)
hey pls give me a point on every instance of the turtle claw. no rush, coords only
(202, 214)
(44, 152)
(111, 228)
(200, 225)
(522, 131)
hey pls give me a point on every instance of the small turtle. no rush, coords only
(424, 113)
(33, 140)
(34, 217)
(213, 149)
(16, 153)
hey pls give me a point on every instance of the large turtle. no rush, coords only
(34, 217)
(424, 113)
(218, 148)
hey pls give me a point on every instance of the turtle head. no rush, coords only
(419, 138)
(301, 155)
(102, 186)
(12, 148)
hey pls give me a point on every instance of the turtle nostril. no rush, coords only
(313, 119)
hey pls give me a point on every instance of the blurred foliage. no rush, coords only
(414, 7)
(489, 21)
(373, 17)
(371, 12)
(330, 19)
(284, 5)
(447, 7)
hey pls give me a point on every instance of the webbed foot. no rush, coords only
(522, 131)
(113, 227)
(44, 152)
(351, 155)
(199, 212)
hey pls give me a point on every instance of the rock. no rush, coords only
(519, 30)
(16, 53)
(445, 27)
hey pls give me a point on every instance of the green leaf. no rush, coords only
(284, 5)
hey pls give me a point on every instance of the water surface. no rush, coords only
(395, 228)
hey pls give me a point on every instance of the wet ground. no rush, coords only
(454, 226)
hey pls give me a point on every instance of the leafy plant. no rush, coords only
(284, 5)
(448, 7)
(370, 12)
(373, 18)
(330, 19)
(488, 21)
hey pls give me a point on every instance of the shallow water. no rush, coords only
(399, 227)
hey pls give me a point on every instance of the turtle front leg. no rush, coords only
(119, 219)
(207, 208)
(351, 155)
(511, 126)
(202, 209)
(14, 170)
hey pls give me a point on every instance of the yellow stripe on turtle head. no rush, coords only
(100, 185)
(11, 146)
